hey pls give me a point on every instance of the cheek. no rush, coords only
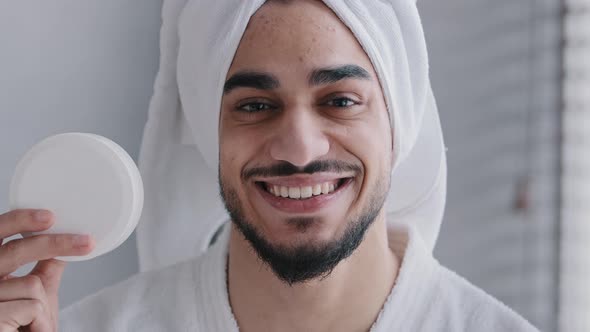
(238, 147)
(228, 156)
(374, 134)
(371, 143)
(229, 162)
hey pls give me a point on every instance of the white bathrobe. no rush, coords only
(193, 296)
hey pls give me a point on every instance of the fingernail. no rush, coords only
(81, 240)
(42, 216)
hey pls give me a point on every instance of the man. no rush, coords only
(306, 153)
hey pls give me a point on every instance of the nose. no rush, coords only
(299, 138)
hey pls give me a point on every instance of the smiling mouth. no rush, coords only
(303, 192)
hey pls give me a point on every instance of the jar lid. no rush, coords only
(90, 184)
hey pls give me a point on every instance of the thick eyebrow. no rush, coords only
(330, 75)
(251, 79)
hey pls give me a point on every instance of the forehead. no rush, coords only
(295, 36)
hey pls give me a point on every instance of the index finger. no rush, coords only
(24, 220)
(17, 253)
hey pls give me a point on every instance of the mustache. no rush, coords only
(285, 169)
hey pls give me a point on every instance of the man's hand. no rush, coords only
(30, 303)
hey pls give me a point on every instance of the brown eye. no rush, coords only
(254, 107)
(342, 102)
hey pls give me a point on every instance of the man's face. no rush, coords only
(305, 140)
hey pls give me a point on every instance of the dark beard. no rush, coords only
(306, 262)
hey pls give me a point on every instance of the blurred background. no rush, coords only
(512, 80)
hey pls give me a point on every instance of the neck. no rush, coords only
(350, 298)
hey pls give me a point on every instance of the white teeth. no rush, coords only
(294, 192)
(306, 192)
(317, 189)
(325, 188)
(284, 192)
(301, 192)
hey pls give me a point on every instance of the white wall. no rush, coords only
(84, 66)
(495, 68)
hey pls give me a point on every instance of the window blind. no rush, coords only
(575, 235)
